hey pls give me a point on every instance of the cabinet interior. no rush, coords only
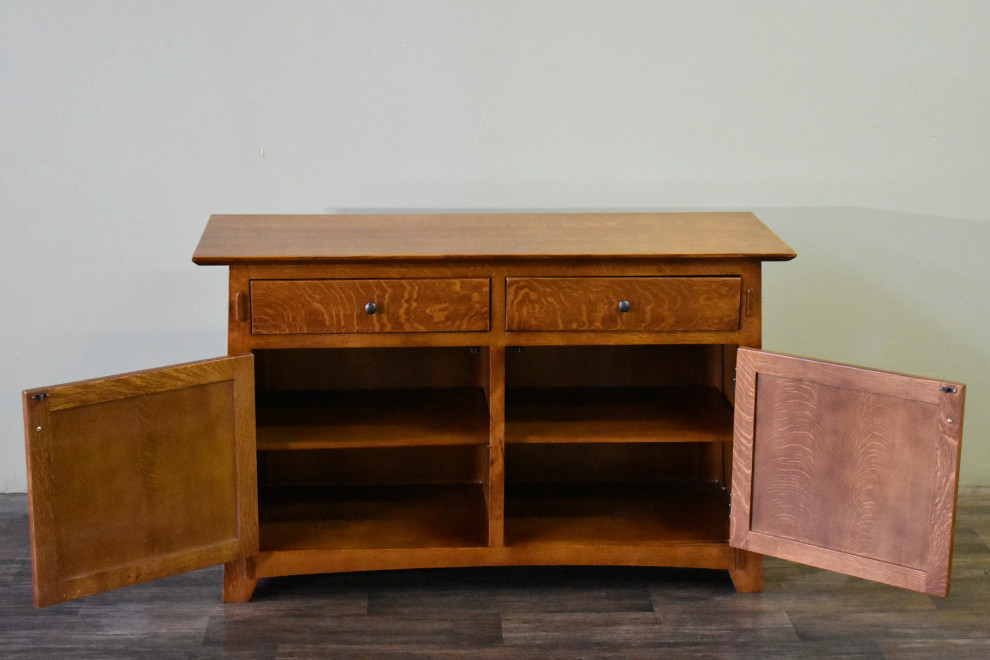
(364, 448)
(616, 445)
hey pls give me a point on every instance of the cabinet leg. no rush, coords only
(237, 586)
(746, 571)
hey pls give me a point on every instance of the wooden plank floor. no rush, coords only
(509, 612)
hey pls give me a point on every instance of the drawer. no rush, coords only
(663, 304)
(393, 305)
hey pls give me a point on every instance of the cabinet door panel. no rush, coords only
(140, 476)
(846, 468)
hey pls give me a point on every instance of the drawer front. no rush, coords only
(664, 304)
(340, 306)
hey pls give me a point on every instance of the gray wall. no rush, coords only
(858, 130)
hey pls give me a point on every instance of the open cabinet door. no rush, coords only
(140, 476)
(846, 469)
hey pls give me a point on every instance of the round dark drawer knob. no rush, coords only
(624, 306)
(370, 308)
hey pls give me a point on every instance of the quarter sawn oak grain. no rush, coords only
(453, 390)
(341, 306)
(847, 468)
(653, 304)
(447, 282)
(235, 239)
(140, 476)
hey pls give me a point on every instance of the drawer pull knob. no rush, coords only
(370, 308)
(624, 306)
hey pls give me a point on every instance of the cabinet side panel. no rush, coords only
(239, 311)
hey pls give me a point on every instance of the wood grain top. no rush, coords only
(233, 239)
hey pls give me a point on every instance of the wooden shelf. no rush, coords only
(341, 419)
(615, 514)
(374, 517)
(579, 415)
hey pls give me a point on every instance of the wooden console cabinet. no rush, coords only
(465, 390)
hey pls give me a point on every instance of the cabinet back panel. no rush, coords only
(368, 368)
(607, 366)
(386, 466)
(600, 463)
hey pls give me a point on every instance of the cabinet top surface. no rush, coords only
(237, 239)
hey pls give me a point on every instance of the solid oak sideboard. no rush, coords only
(444, 390)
